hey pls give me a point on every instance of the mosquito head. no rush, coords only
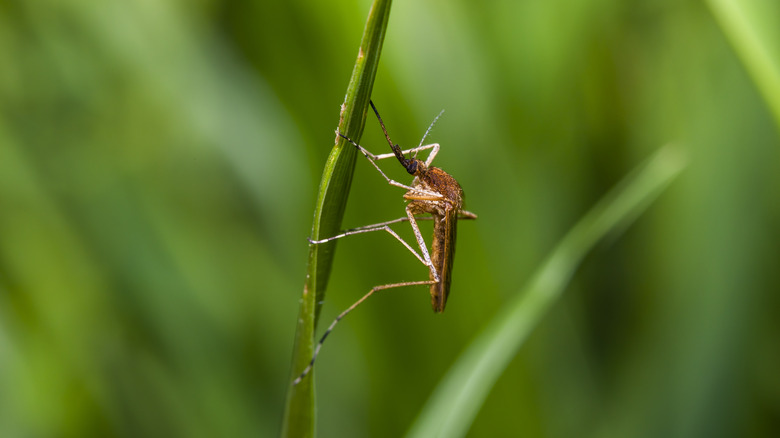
(412, 165)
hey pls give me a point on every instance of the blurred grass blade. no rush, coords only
(299, 420)
(752, 28)
(458, 398)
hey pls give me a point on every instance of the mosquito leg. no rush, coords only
(375, 157)
(372, 159)
(421, 243)
(379, 227)
(358, 230)
(434, 146)
(395, 221)
(432, 155)
(463, 214)
(389, 181)
(372, 227)
(344, 313)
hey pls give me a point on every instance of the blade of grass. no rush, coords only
(753, 34)
(299, 416)
(456, 401)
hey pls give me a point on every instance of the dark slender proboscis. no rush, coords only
(409, 164)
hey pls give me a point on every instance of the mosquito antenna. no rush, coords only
(394, 147)
(429, 130)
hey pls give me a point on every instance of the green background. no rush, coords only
(159, 162)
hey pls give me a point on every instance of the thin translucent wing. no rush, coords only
(445, 231)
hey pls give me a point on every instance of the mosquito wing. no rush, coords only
(445, 231)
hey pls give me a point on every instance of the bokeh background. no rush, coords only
(158, 167)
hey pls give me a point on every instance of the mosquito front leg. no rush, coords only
(372, 159)
(428, 161)
(432, 155)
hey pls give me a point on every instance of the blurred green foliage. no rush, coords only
(158, 168)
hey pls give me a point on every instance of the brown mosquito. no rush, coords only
(433, 192)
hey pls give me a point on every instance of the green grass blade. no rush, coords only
(458, 398)
(752, 28)
(299, 416)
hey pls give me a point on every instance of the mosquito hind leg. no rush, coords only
(344, 313)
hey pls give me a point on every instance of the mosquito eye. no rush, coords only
(411, 167)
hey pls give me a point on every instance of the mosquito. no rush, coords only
(432, 192)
